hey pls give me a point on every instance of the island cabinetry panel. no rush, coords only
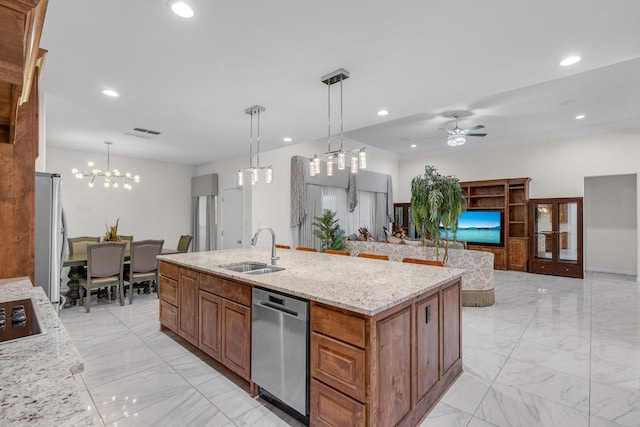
(188, 290)
(210, 338)
(236, 338)
(384, 370)
(169, 296)
(428, 348)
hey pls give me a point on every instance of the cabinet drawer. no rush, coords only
(168, 316)
(332, 408)
(338, 325)
(339, 365)
(234, 291)
(169, 290)
(169, 270)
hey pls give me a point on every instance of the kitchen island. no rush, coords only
(38, 387)
(384, 336)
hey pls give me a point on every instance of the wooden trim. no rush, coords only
(374, 256)
(302, 248)
(334, 252)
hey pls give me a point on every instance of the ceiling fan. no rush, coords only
(458, 136)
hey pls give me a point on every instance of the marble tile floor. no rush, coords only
(550, 352)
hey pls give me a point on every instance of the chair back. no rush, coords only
(127, 240)
(423, 261)
(283, 246)
(78, 245)
(184, 242)
(374, 256)
(302, 248)
(143, 255)
(105, 259)
(335, 252)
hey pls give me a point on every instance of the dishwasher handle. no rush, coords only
(278, 308)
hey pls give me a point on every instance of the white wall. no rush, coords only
(558, 168)
(271, 204)
(610, 223)
(159, 207)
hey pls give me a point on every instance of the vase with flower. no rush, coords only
(112, 233)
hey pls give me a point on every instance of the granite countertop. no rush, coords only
(37, 387)
(366, 286)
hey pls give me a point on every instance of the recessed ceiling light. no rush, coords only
(570, 60)
(580, 117)
(413, 145)
(383, 113)
(287, 139)
(182, 9)
(110, 92)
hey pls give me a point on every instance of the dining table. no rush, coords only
(77, 263)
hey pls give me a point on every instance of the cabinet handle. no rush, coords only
(427, 313)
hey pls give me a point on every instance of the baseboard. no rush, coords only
(611, 271)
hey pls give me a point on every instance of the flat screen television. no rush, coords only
(479, 227)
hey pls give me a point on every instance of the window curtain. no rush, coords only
(313, 207)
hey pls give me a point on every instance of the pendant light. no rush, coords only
(357, 157)
(112, 178)
(255, 170)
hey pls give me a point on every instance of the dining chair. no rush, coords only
(423, 262)
(79, 244)
(374, 256)
(283, 246)
(335, 252)
(302, 248)
(143, 264)
(184, 242)
(127, 240)
(105, 262)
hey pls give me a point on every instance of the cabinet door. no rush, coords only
(451, 325)
(427, 345)
(236, 338)
(188, 289)
(517, 254)
(210, 326)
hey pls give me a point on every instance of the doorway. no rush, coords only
(232, 218)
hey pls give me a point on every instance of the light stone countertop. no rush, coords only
(37, 387)
(366, 286)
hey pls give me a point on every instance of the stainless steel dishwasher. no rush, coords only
(279, 348)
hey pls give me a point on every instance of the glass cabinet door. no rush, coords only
(543, 231)
(568, 232)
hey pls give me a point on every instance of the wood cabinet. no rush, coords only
(511, 197)
(210, 339)
(556, 230)
(21, 61)
(188, 293)
(210, 312)
(236, 338)
(388, 369)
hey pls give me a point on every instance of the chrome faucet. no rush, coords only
(274, 258)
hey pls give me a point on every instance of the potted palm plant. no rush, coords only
(327, 229)
(436, 200)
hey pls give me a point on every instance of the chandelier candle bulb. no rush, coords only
(268, 175)
(354, 164)
(330, 166)
(341, 161)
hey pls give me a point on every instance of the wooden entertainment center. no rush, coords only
(510, 196)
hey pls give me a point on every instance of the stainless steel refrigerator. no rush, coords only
(50, 235)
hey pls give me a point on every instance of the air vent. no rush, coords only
(143, 130)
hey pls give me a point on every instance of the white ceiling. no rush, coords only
(192, 79)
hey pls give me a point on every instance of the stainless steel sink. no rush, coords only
(251, 268)
(265, 270)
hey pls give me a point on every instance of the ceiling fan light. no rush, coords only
(455, 140)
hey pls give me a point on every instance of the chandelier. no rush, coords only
(254, 170)
(357, 157)
(112, 178)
